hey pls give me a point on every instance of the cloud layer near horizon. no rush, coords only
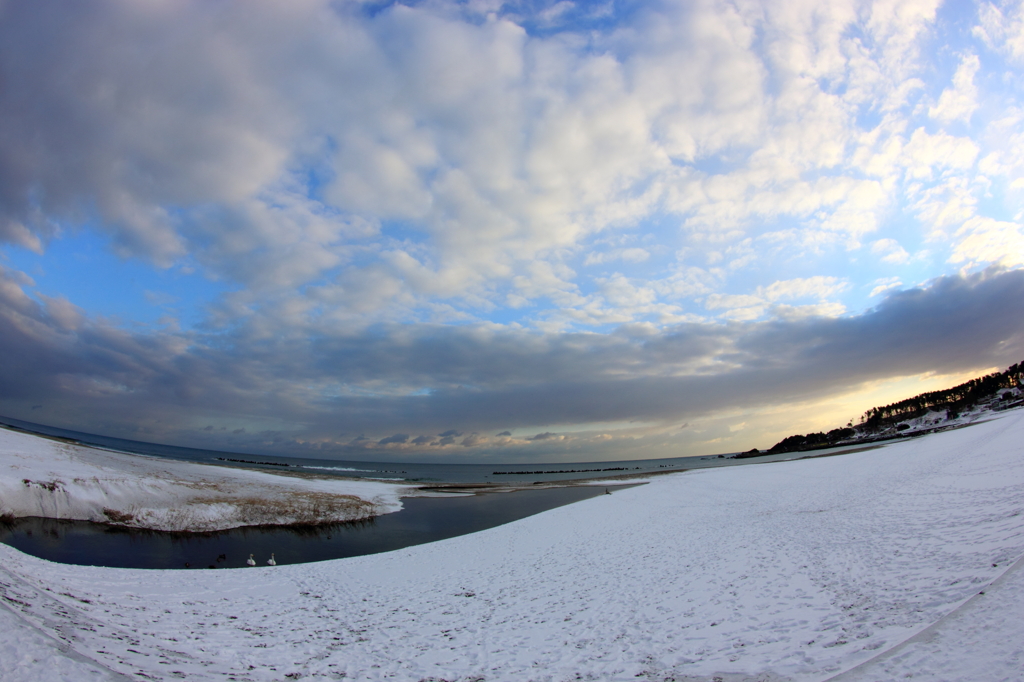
(406, 228)
(492, 388)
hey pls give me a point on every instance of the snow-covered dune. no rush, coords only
(42, 477)
(798, 570)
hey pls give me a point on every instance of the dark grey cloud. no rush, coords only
(281, 394)
(472, 440)
(397, 438)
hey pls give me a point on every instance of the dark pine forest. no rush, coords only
(878, 422)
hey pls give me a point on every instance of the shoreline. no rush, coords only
(63, 479)
(798, 572)
(195, 497)
(52, 478)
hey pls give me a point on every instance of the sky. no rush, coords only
(503, 231)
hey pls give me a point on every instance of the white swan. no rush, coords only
(271, 561)
(250, 561)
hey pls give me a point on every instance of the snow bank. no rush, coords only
(42, 477)
(798, 570)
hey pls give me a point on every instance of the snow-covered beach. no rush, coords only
(797, 570)
(50, 478)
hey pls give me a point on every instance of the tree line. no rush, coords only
(953, 400)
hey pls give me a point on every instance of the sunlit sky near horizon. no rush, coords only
(503, 231)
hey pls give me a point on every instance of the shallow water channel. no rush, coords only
(422, 519)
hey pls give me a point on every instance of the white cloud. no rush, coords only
(1003, 29)
(798, 312)
(551, 15)
(630, 255)
(438, 162)
(544, 279)
(944, 205)
(687, 282)
(733, 301)
(816, 287)
(959, 102)
(890, 251)
(744, 307)
(981, 241)
(885, 284)
(621, 293)
(925, 154)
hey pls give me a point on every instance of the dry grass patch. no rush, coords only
(119, 518)
(301, 509)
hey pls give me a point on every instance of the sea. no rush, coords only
(419, 473)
